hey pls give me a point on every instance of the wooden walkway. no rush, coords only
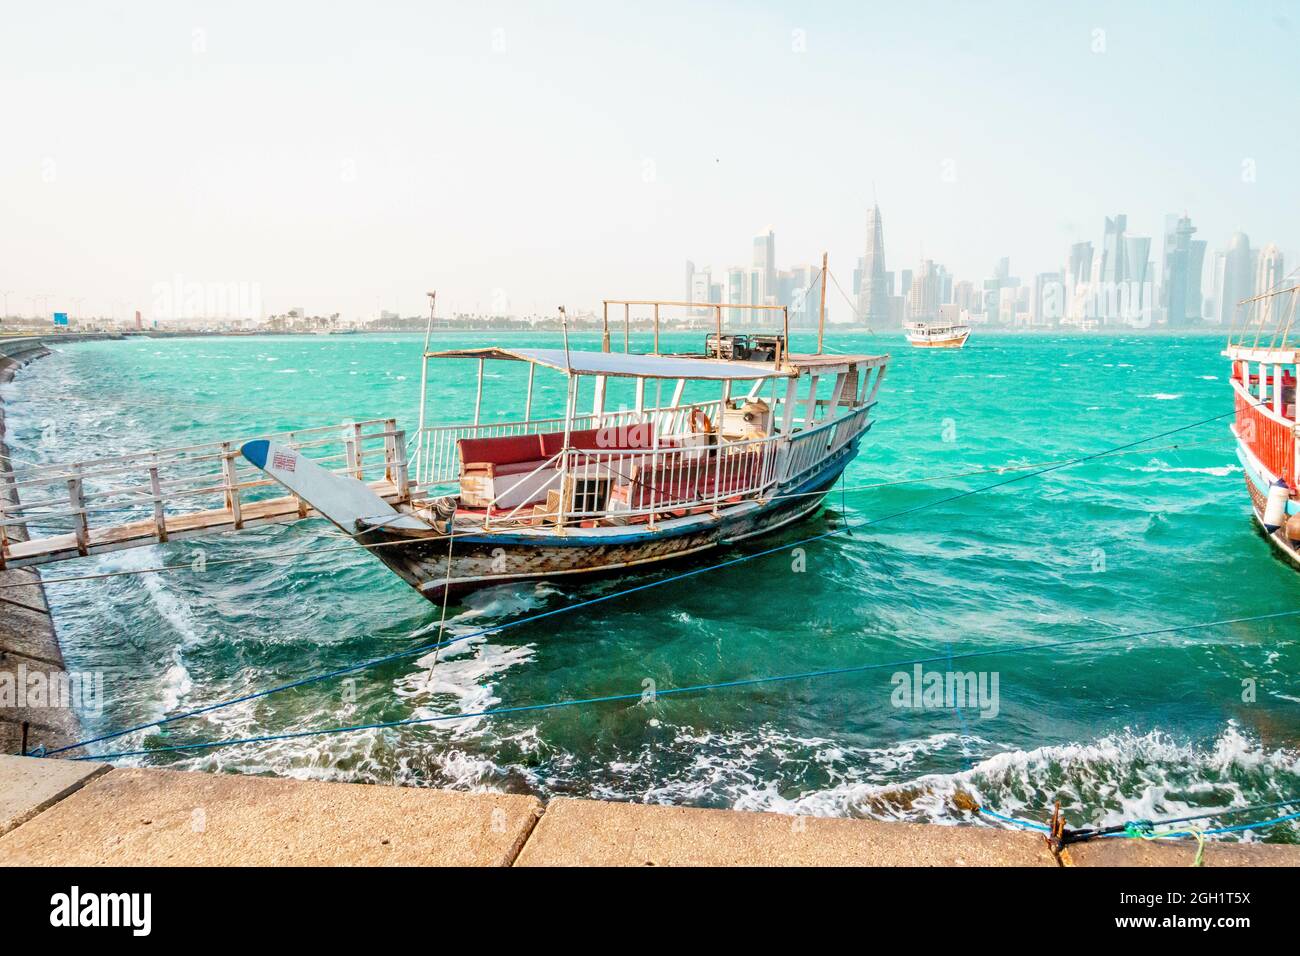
(58, 512)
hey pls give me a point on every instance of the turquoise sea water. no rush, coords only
(1144, 727)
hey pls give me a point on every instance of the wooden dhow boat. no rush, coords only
(1265, 365)
(607, 490)
(924, 335)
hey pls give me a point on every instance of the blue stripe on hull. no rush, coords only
(1260, 482)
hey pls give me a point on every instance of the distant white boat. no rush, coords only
(925, 336)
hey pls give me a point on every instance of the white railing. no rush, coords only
(595, 485)
(619, 484)
(810, 448)
(437, 460)
(105, 500)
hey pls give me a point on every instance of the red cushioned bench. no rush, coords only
(483, 461)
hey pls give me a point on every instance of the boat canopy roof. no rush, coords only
(625, 364)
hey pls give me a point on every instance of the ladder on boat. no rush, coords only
(60, 511)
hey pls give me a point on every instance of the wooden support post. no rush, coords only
(598, 400)
(604, 339)
(401, 468)
(159, 515)
(360, 452)
(627, 326)
(528, 399)
(1277, 389)
(478, 394)
(77, 499)
(566, 484)
(678, 389)
(231, 477)
(718, 322)
(787, 413)
(390, 448)
(349, 453)
(4, 526)
(719, 453)
(810, 410)
(656, 352)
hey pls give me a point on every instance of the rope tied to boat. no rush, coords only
(1059, 836)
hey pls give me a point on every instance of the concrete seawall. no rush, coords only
(28, 642)
(66, 813)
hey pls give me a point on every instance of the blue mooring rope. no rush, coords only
(742, 682)
(1145, 829)
(642, 587)
(949, 657)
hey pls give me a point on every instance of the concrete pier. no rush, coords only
(64, 813)
(28, 643)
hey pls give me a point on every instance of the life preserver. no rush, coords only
(707, 423)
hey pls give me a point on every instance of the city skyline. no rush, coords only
(472, 151)
(1116, 281)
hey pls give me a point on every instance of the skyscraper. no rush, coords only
(1137, 299)
(765, 262)
(736, 282)
(1048, 305)
(1269, 275)
(1112, 250)
(805, 295)
(873, 295)
(1234, 279)
(700, 288)
(1180, 274)
(1080, 269)
(930, 289)
(1270, 271)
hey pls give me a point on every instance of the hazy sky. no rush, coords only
(346, 156)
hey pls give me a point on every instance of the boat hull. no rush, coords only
(951, 343)
(479, 560)
(1285, 548)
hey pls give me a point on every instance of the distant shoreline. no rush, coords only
(831, 333)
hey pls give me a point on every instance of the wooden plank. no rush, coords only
(134, 534)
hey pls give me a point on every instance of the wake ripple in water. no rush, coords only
(1126, 542)
(1118, 778)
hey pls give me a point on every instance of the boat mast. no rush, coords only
(821, 315)
(424, 379)
(570, 400)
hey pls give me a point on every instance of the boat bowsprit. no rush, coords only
(605, 491)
